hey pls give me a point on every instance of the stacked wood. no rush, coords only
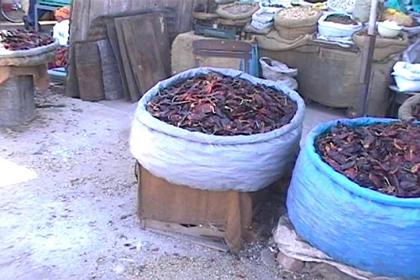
(138, 43)
(122, 60)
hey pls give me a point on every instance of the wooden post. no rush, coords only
(367, 60)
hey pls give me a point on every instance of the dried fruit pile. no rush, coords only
(14, 40)
(221, 105)
(385, 158)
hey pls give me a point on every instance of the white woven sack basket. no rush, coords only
(215, 163)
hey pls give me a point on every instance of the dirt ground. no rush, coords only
(68, 206)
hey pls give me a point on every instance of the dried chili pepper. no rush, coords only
(382, 157)
(220, 105)
(61, 58)
(17, 39)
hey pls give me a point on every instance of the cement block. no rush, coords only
(17, 104)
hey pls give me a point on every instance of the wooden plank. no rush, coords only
(211, 243)
(113, 89)
(160, 200)
(113, 40)
(89, 73)
(107, 22)
(198, 230)
(78, 27)
(148, 48)
(133, 89)
(85, 11)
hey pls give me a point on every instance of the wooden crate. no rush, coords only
(210, 215)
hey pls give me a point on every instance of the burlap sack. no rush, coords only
(384, 47)
(280, 20)
(406, 110)
(274, 42)
(295, 32)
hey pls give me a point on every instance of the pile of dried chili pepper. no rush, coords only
(14, 40)
(220, 105)
(61, 58)
(382, 157)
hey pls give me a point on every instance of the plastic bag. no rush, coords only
(407, 76)
(209, 162)
(351, 224)
(330, 29)
(261, 26)
(291, 245)
(412, 54)
(276, 71)
(362, 10)
(264, 15)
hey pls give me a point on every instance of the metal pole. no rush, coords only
(367, 58)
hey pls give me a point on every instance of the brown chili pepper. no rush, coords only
(385, 158)
(222, 105)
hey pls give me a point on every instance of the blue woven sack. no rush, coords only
(354, 225)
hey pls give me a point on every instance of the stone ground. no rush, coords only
(68, 205)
